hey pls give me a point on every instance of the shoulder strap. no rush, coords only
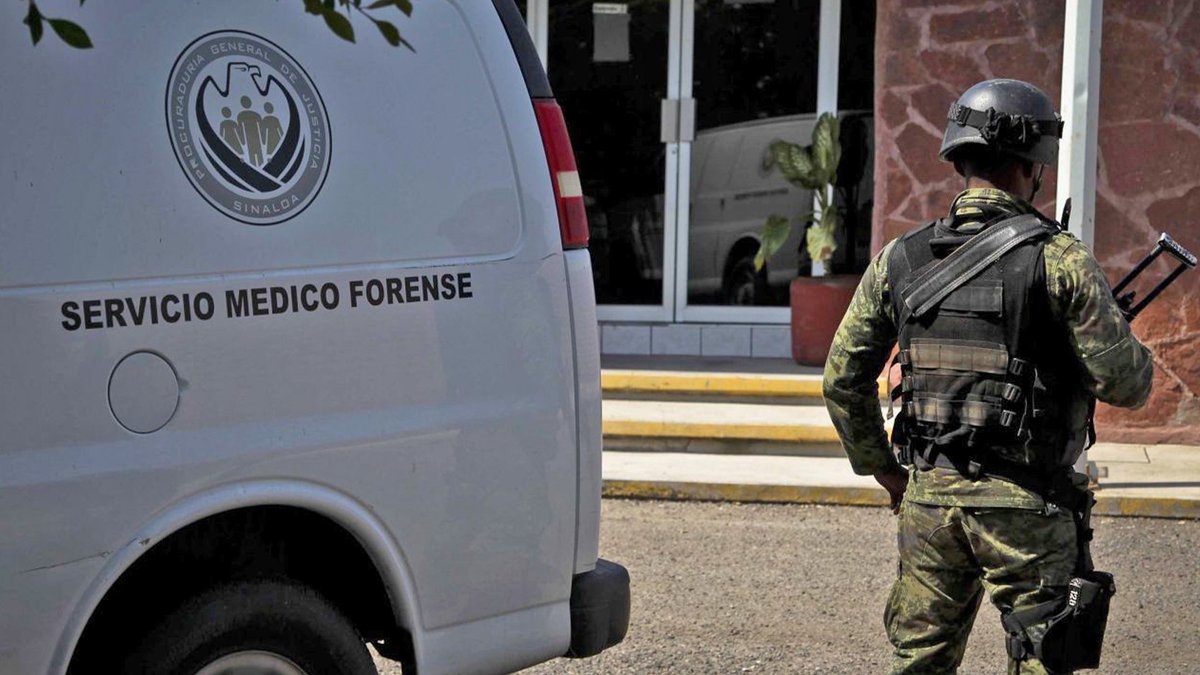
(900, 268)
(968, 261)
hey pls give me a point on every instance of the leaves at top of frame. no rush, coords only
(34, 19)
(71, 33)
(75, 36)
(338, 23)
(391, 33)
(402, 5)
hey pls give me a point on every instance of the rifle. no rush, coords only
(1165, 244)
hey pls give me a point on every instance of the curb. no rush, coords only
(734, 384)
(1146, 507)
(734, 492)
(793, 433)
(1106, 505)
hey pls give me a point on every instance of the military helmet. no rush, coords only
(1011, 116)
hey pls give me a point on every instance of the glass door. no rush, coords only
(611, 66)
(754, 82)
(672, 106)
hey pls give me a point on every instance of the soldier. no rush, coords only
(1001, 364)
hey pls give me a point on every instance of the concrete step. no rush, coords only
(1146, 481)
(719, 428)
(732, 387)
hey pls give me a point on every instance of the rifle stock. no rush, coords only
(1165, 244)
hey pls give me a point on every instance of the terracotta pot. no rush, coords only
(818, 304)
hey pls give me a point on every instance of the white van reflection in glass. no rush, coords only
(733, 192)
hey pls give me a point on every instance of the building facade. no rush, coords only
(1149, 151)
(672, 105)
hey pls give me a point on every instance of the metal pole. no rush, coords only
(1081, 112)
(537, 17)
(828, 48)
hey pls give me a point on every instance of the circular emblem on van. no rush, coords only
(248, 127)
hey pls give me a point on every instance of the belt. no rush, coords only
(1053, 485)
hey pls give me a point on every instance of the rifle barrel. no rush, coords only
(1158, 289)
(1133, 273)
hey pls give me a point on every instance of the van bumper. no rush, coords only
(599, 609)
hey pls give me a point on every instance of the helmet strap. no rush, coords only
(1037, 182)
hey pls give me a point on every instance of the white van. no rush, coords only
(734, 190)
(299, 348)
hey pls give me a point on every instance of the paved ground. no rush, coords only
(727, 588)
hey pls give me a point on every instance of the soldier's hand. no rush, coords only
(895, 481)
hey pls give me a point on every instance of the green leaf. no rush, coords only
(34, 20)
(314, 6)
(71, 33)
(339, 24)
(389, 31)
(820, 242)
(826, 149)
(774, 234)
(831, 219)
(402, 5)
(796, 164)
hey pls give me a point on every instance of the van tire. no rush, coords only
(281, 619)
(745, 285)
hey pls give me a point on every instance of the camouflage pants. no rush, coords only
(948, 555)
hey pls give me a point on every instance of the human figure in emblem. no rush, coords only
(230, 133)
(272, 130)
(250, 126)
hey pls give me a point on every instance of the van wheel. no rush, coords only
(253, 628)
(743, 284)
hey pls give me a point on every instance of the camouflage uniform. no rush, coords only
(957, 535)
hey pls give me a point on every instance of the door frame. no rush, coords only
(538, 20)
(829, 37)
(674, 306)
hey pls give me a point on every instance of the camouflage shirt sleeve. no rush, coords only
(1118, 367)
(859, 352)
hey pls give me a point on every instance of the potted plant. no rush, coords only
(818, 302)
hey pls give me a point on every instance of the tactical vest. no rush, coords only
(989, 380)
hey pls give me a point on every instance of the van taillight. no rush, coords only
(568, 191)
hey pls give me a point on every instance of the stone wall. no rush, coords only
(928, 51)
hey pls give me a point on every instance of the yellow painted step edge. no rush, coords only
(728, 492)
(796, 433)
(706, 383)
(1137, 507)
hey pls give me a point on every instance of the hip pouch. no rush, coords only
(1070, 638)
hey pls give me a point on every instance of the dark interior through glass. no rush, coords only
(608, 70)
